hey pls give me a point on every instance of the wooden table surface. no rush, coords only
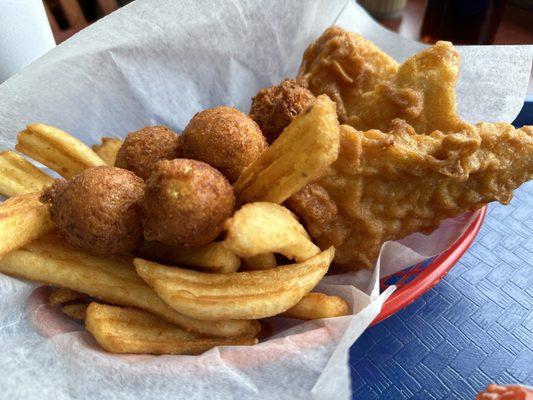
(516, 26)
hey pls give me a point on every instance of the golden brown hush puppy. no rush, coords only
(224, 138)
(142, 149)
(186, 203)
(99, 210)
(275, 107)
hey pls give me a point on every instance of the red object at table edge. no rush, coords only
(433, 273)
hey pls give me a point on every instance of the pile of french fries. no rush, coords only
(210, 296)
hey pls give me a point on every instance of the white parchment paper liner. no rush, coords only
(160, 61)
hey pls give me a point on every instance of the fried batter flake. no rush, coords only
(371, 90)
(344, 66)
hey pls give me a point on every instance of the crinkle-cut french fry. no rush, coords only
(213, 257)
(57, 150)
(242, 295)
(318, 305)
(301, 154)
(260, 261)
(108, 149)
(259, 228)
(19, 176)
(128, 330)
(64, 295)
(22, 219)
(110, 278)
(75, 311)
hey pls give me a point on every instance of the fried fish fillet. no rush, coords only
(371, 90)
(385, 186)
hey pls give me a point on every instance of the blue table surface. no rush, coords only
(475, 327)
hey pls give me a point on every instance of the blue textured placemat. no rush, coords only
(475, 327)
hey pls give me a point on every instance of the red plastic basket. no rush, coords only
(416, 280)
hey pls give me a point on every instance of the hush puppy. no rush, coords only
(224, 138)
(99, 210)
(275, 107)
(142, 149)
(186, 203)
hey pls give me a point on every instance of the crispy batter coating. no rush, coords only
(422, 93)
(313, 204)
(224, 138)
(186, 203)
(371, 90)
(389, 185)
(99, 210)
(344, 66)
(275, 107)
(142, 149)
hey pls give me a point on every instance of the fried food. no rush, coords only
(99, 210)
(240, 295)
(318, 305)
(212, 257)
(384, 188)
(389, 185)
(128, 330)
(260, 261)
(19, 176)
(402, 163)
(64, 295)
(75, 311)
(56, 149)
(301, 154)
(109, 278)
(422, 93)
(22, 219)
(371, 90)
(108, 149)
(313, 203)
(275, 107)
(142, 149)
(186, 203)
(260, 228)
(224, 138)
(344, 66)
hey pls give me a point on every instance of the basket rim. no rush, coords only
(433, 273)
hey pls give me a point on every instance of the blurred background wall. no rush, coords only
(69, 16)
(485, 21)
